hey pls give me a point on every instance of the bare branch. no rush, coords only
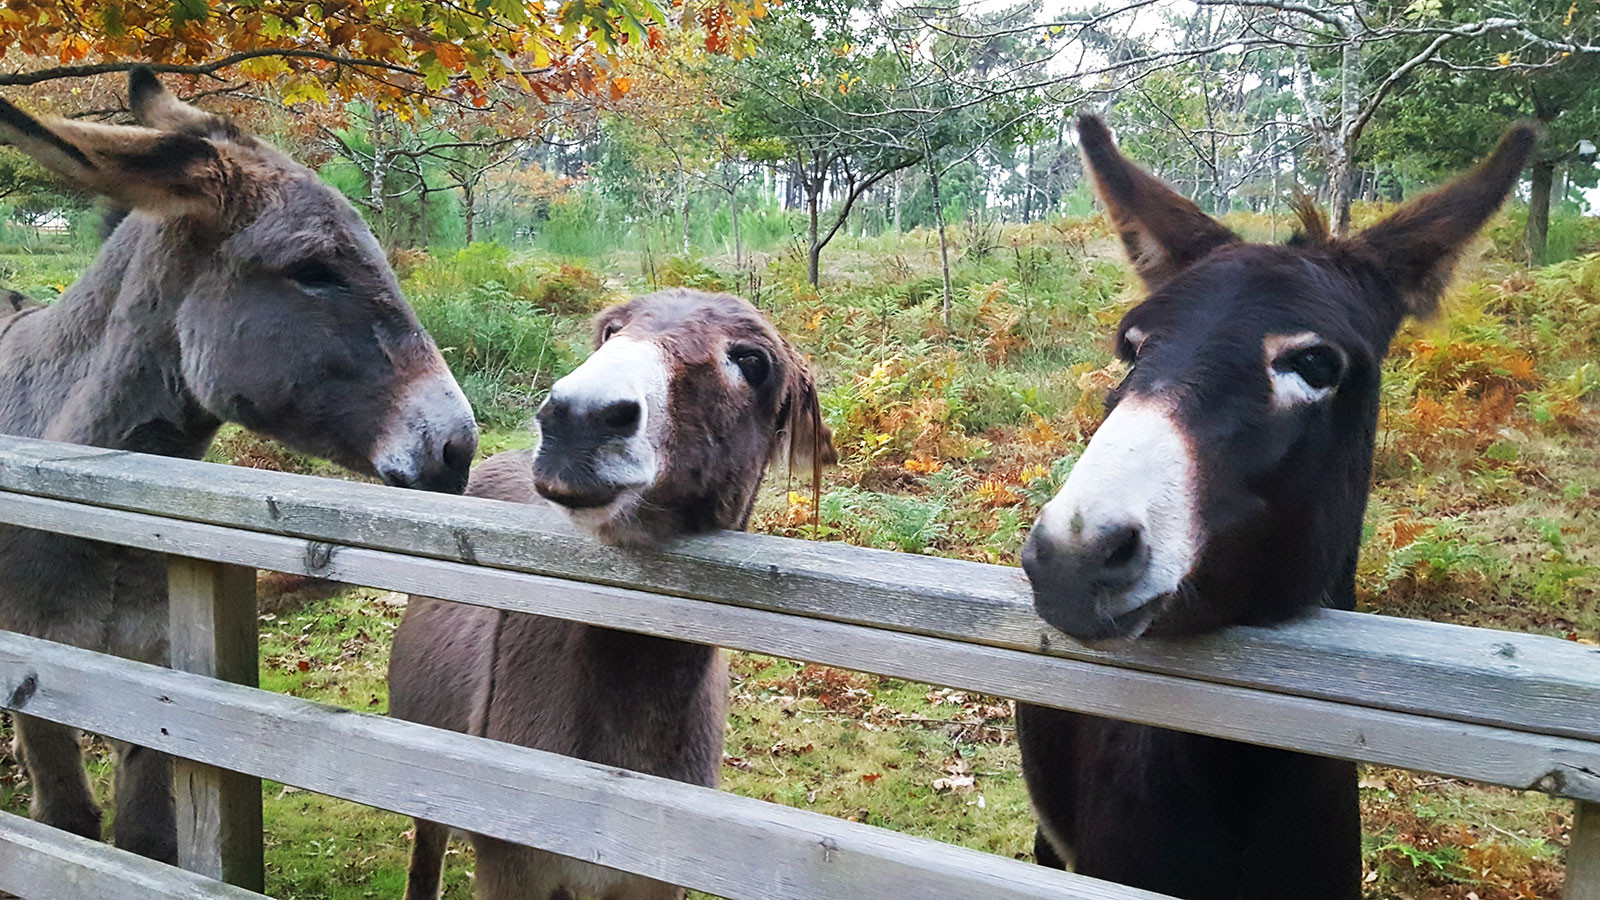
(39, 76)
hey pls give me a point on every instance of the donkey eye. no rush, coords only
(314, 275)
(753, 364)
(1319, 366)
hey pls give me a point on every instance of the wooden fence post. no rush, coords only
(1583, 854)
(213, 633)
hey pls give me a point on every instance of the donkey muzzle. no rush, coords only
(1087, 586)
(430, 438)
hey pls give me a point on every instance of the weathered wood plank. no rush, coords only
(731, 846)
(1558, 765)
(1583, 854)
(212, 631)
(38, 862)
(1470, 675)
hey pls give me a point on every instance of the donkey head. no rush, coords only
(282, 309)
(668, 427)
(1228, 481)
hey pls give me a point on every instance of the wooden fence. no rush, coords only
(1493, 707)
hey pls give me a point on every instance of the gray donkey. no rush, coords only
(239, 288)
(665, 431)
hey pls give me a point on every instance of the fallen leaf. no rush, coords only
(955, 783)
(871, 777)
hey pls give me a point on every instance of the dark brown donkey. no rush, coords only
(665, 431)
(239, 288)
(1226, 485)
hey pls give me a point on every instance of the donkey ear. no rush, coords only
(1162, 231)
(804, 441)
(154, 107)
(141, 168)
(1417, 246)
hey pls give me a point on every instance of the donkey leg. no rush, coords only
(1305, 833)
(54, 762)
(646, 889)
(427, 860)
(506, 871)
(147, 817)
(1044, 852)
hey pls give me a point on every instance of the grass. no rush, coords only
(1485, 511)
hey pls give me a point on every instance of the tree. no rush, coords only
(946, 120)
(1349, 56)
(410, 54)
(668, 133)
(1455, 108)
(815, 98)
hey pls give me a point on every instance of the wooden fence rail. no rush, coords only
(1514, 710)
(40, 863)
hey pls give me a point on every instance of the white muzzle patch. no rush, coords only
(1137, 472)
(623, 369)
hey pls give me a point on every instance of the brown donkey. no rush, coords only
(665, 431)
(239, 288)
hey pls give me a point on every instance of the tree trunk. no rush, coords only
(733, 213)
(469, 208)
(683, 205)
(794, 187)
(1339, 168)
(380, 172)
(377, 179)
(1056, 177)
(1339, 193)
(944, 246)
(815, 248)
(898, 188)
(418, 230)
(488, 209)
(1027, 189)
(1536, 236)
(1272, 201)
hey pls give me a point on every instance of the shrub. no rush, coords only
(570, 288)
(577, 227)
(890, 521)
(684, 271)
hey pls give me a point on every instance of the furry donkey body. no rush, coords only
(1226, 485)
(239, 288)
(664, 432)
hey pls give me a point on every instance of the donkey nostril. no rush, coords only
(1125, 544)
(553, 412)
(620, 418)
(458, 454)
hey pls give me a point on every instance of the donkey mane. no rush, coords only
(1313, 230)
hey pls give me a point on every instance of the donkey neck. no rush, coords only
(102, 366)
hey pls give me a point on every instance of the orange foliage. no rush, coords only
(405, 54)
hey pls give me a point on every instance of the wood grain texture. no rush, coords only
(1469, 675)
(1583, 855)
(726, 845)
(212, 632)
(38, 862)
(1513, 758)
